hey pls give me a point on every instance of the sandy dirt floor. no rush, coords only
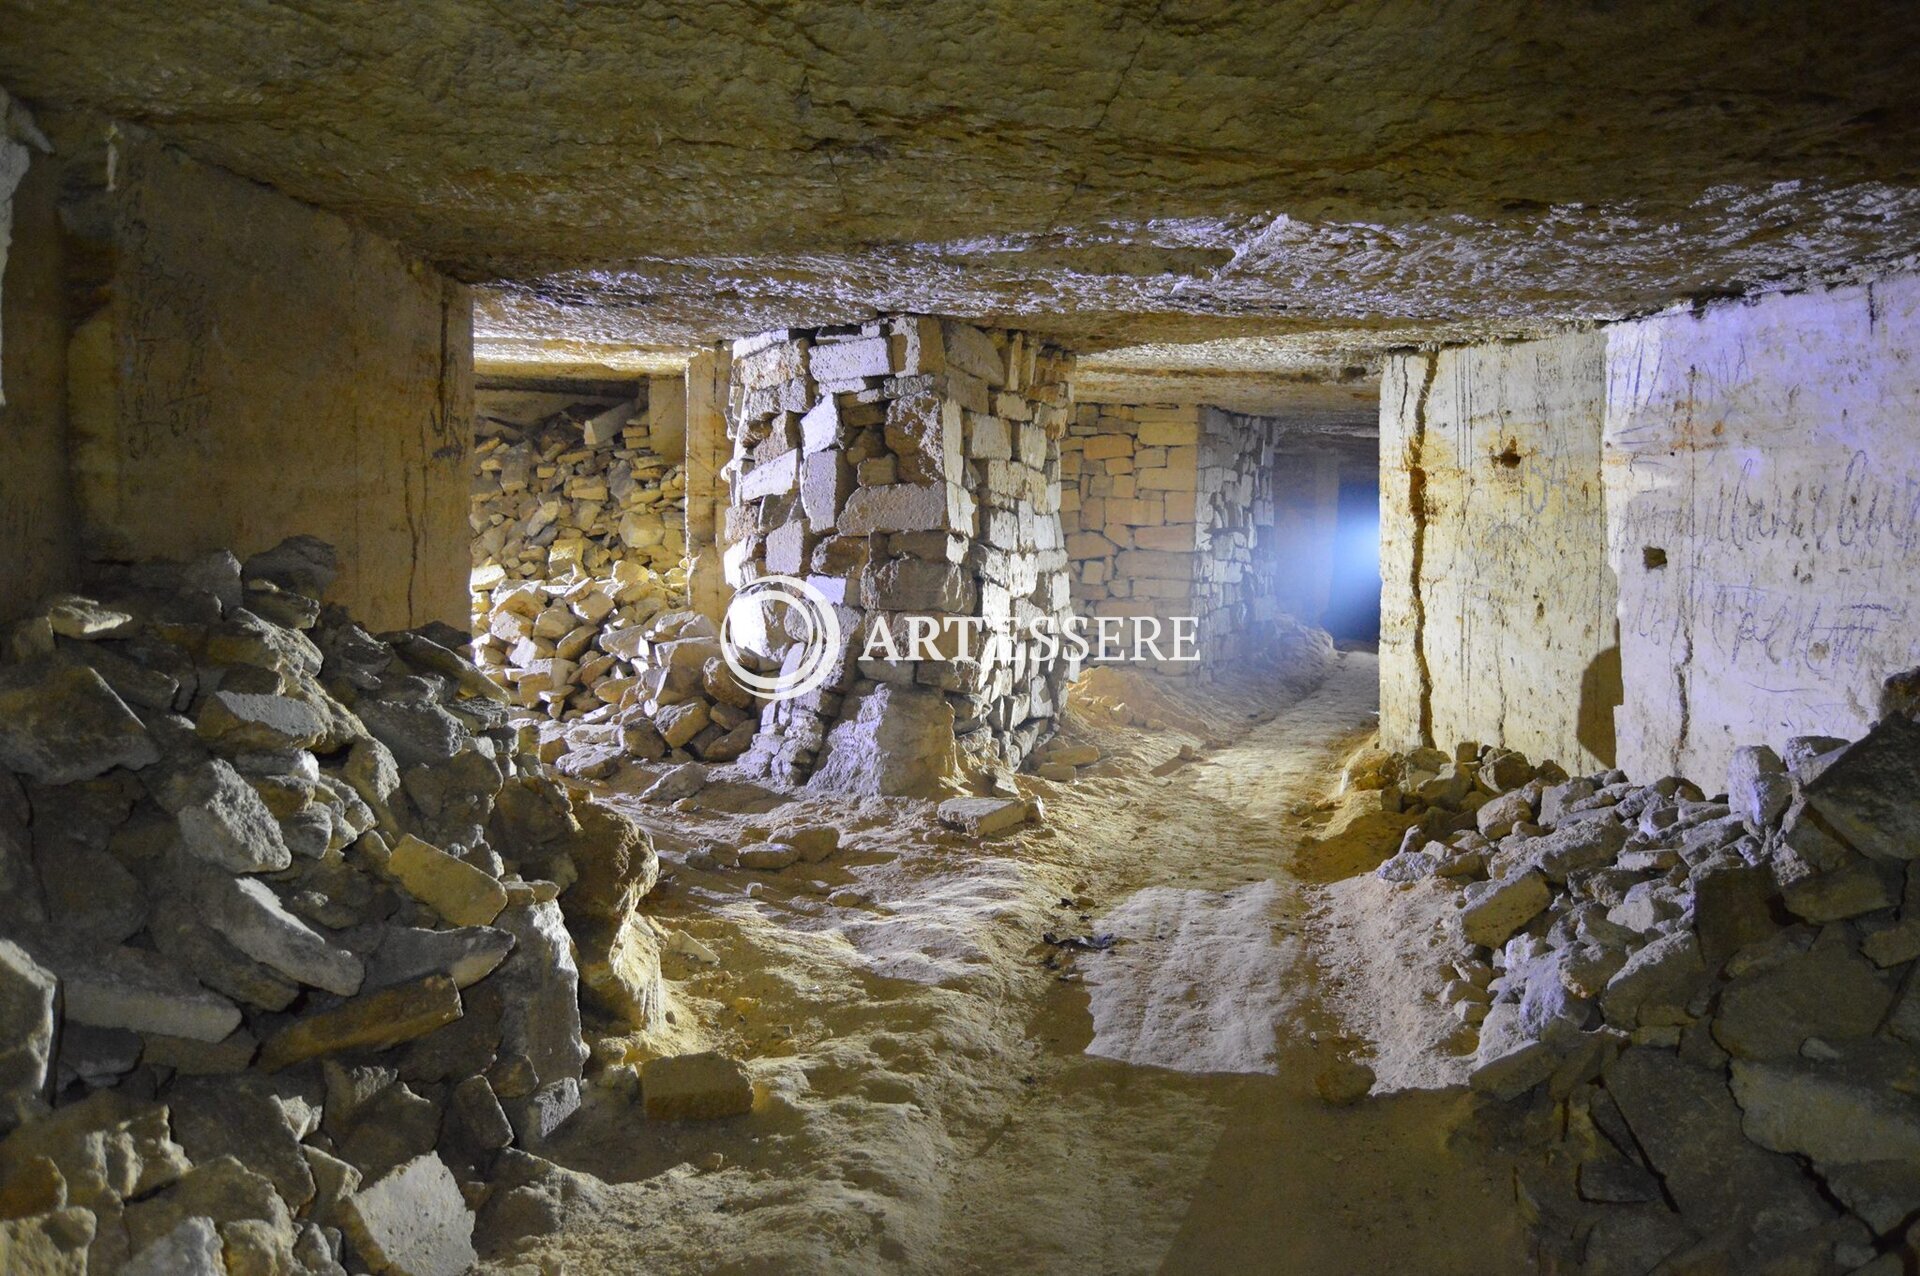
(943, 1090)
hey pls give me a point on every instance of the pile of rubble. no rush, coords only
(579, 544)
(285, 980)
(661, 690)
(577, 495)
(1706, 1002)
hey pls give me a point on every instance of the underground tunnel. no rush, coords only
(864, 637)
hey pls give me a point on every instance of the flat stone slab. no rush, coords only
(451, 887)
(413, 1222)
(983, 816)
(138, 990)
(695, 1087)
(371, 1021)
(61, 723)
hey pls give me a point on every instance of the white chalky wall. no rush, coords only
(1766, 454)
(1497, 607)
(1730, 496)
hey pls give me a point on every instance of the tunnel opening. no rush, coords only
(1353, 603)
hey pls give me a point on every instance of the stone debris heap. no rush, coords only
(579, 534)
(1703, 1008)
(665, 692)
(285, 981)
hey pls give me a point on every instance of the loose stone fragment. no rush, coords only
(1344, 1082)
(105, 1146)
(255, 1120)
(223, 820)
(252, 919)
(192, 1248)
(1829, 993)
(481, 1120)
(767, 855)
(1865, 795)
(51, 1244)
(413, 1222)
(1656, 983)
(371, 1021)
(983, 816)
(1689, 1126)
(453, 888)
(693, 1087)
(135, 989)
(60, 723)
(540, 986)
(1855, 888)
(27, 992)
(467, 955)
(1494, 910)
(1856, 1107)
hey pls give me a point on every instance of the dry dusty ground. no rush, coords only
(946, 1092)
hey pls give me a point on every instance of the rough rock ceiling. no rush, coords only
(1331, 178)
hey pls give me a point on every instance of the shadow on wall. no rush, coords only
(1601, 692)
(1353, 599)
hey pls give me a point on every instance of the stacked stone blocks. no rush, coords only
(909, 468)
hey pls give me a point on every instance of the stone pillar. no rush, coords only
(1498, 606)
(909, 469)
(707, 451)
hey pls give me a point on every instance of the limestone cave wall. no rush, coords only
(1763, 499)
(245, 367)
(1654, 543)
(1129, 506)
(1497, 607)
(36, 505)
(1189, 510)
(909, 468)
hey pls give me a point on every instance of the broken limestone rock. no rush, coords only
(1828, 993)
(983, 816)
(223, 819)
(898, 743)
(135, 989)
(1689, 1126)
(1344, 1082)
(56, 1243)
(1852, 1104)
(1864, 795)
(413, 1222)
(1493, 911)
(540, 984)
(257, 1120)
(695, 1087)
(251, 918)
(27, 1023)
(453, 888)
(192, 1248)
(61, 723)
(466, 954)
(371, 1021)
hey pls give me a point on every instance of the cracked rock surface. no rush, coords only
(1330, 179)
